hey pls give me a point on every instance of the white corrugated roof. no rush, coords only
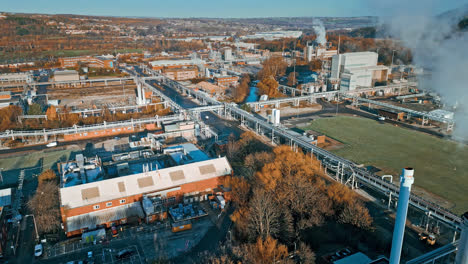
(5, 197)
(116, 188)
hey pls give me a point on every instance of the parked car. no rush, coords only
(38, 250)
(115, 232)
(123, 254)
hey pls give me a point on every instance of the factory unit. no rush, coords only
(357, 69)
(271, 35)
(316, 51)
(107, 62)
(16, 78)
(226, 81)
(143, 194)
(67, 75)
(161, 64)
(181, 74)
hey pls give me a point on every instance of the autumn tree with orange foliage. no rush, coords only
(52, 113)
(241, 91)
(9, 116)
(268, 86)
(272, 68)
(264, 251)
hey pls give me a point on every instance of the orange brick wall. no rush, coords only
(199, 186)
(106, 132)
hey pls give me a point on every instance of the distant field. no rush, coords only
(441, 166)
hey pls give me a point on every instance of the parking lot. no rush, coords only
(147, 242)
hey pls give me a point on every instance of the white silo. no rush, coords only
(275, 117)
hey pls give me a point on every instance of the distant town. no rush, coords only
(210, 140)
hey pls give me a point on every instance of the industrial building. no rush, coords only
(181, 74)
(226, 81)
(5, 99)
(211, 89)
(90, 202)
(5, 204)
(274, 35)
(67, 75)
(161, 64)
(91, 61)
(316, 51)
(16, 78)
(357, 69)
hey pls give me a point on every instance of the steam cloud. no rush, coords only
(438, 46)
(319, 29)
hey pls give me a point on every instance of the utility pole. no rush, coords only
(391, 65)
(35, 226)
(294, 61)
(339, 42)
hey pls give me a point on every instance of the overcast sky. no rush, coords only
(223, 8)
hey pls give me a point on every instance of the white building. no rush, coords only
(228, 54)
(274, 35)
(357, 69)
(15, 77)
(67, 75)
(314, 51)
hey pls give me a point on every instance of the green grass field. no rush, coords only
(60, 53)
(441, 166)
(32, 163)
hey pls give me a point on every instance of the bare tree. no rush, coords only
(264, 214)
(44, 206)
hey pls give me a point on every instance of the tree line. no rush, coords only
(279, 195)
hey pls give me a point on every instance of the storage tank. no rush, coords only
(275, 117)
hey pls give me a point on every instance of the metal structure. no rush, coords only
(409, 112)
(406, 181)
(433, 256)
(462, 254)
(346, 171)
(89, 128)
(311, 97)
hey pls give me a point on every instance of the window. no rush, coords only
(109, 204)
(122, 201)
(96, 207)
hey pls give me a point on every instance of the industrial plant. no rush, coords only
(240, 140)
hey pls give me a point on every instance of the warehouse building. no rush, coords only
(161, 64)
(64, 76)
(16, 78)
(357, 69)
(118, 200)
(91, 61)
(181, 74)
(226, 81)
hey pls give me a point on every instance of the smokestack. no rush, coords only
(462, 251)
(406, 180)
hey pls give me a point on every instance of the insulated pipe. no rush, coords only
(462, 251)
(406, 180)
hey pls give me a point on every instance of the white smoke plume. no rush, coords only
(319, 29)
(437, 46)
